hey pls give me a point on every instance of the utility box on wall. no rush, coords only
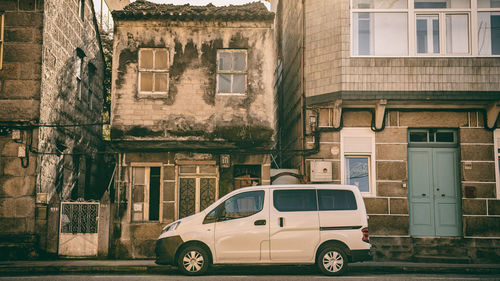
(321, 171)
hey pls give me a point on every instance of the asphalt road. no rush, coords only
(420, 277)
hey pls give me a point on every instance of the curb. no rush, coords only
(355, 269)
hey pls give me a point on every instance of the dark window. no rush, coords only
(81, 9)
(154, 193)
(242, 205)
(336, 200)
(445, 137)
(418, 136)
(295, 200)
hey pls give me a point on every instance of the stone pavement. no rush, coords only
(74, 266)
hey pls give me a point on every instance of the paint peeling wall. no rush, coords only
(192, 111)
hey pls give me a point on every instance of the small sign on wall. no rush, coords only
(137, 207)
(467, 165)
(225, 160)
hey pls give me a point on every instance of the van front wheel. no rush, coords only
(332, 261)
(193, 260)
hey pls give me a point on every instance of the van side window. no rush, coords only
(295, 200)
(336, 200)
(242, 205)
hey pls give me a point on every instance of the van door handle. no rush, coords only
(281, 222)
(260, 222)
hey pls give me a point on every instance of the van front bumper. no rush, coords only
(360, 255)
(166, 248)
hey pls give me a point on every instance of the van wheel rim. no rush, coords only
(333, 261)
(193, 261)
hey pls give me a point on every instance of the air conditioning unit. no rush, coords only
(321, 171)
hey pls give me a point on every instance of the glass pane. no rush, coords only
(224, 83)
(154, 194)
(239, 61)
(208, 169)
(378, 4)
(225, 61)
(488, 3)
(146, 59)
(187, 169)
(295, 200)
(161, 82)
(361, 40)
(146, 81)
(243, 205)
(441, 4)
(457, 34)
(390, 34)
(380, 33)
(336, 200)
(139, 175)
(357, 172)
(238, 83)
(489, 33)
(161, 60)
(427, 34)
(445, 137)
(418, 136)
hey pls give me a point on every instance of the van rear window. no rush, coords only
(334, 200)
(295, 200)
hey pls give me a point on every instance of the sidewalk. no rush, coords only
(149, 267)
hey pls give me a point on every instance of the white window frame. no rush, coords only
(153, 71)
(496, 139)
(367, 151)
(472, 13)
(229, 72)
(145, 206)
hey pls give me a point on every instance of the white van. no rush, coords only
(275, 224)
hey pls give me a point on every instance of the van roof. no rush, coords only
(303, 186)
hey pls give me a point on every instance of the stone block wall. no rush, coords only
(20, 80)
(191, 110)
(62, 103)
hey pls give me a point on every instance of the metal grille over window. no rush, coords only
(79, 217)
(153, 71)
(231, 71)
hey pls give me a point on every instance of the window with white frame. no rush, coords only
(153, 71)
(145, 193)
(497, 160)
(358, 159)
(425, 27)
(231, 71)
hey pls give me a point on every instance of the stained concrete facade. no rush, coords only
(190, 143)
(325, 94)
(47, 155)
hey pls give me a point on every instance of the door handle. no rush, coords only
(282, 220)
(423, 194)
(260, 222)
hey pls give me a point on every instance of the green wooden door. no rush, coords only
(433, 191)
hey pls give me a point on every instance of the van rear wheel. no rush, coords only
(332, 261)
(193, 260)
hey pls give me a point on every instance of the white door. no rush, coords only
(242, 228)
(294, 225)
(79, 228)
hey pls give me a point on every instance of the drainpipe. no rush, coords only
(303, 82)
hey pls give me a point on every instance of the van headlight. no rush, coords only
(172, 226)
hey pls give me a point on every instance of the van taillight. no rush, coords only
(366, 236)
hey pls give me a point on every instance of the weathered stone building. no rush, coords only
(402, 99)
(51, 99)
(192, 112)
